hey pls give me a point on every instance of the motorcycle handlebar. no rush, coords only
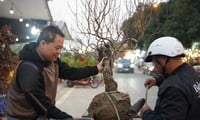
(133, 111)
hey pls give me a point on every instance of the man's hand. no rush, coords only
(150, 82)
(143, 109)
(100, 66)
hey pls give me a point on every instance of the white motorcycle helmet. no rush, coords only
(167, 46)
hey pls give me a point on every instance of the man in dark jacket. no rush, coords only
(33, 89)
(179, 86)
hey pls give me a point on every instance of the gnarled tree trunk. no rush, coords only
(111, 104)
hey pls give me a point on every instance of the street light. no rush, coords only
(21, 19)
(155, 5)
(11, 11)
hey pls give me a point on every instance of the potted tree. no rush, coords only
(8, 61)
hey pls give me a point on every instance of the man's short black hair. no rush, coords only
(49, 33)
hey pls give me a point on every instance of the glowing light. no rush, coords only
(27, 25)
(11, 11)
(155, 5)
(27, 37)
(34, 30)
(21, 19)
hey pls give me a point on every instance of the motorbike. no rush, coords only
(92, 81)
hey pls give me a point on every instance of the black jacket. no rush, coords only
(178, 97)
(35, 84)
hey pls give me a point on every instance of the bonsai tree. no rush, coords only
(8, 59)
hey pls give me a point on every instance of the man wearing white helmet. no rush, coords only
(179, 86)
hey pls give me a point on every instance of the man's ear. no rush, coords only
(42, 43)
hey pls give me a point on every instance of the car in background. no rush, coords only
(124, 66)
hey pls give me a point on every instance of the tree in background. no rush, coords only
(136, 25)
(100, 23)
(178, 18)
(102, 20)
